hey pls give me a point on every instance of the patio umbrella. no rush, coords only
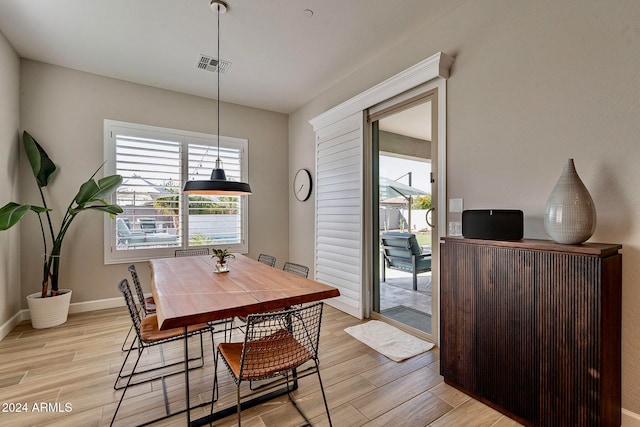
(137, 191)
(390, 189)
(393, 191)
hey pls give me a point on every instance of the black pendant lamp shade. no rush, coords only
(218, 184)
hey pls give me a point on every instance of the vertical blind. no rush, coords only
(338, 231)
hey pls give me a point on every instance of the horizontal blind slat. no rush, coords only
(338, 209)
(151, 165)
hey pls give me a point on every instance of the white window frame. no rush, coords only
(114, 256)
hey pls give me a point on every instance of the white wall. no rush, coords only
(64, 110)
(533, 84)
(9, 152)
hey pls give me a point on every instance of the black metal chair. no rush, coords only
(191, 252)
(276, 344)
(149, 335)
(147, 304)
(290, 267)
(299, 269)
(270, 260)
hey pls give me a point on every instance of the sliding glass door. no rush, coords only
(402, 163)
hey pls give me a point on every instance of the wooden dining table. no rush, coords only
(188, 291)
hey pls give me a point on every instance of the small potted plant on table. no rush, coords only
(50, 307)
(222, 255)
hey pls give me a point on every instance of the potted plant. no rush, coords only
(92, 196)
(222, 255)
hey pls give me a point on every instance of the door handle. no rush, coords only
(427, 216)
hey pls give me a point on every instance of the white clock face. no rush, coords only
(302, 185)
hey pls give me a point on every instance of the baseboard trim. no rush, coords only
(76, 307)
(101, 304)
(11, 323)
(630, 419)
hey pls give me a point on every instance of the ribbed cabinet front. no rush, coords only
(533, 328)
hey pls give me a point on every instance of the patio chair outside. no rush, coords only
(402, 252)
(130, 238)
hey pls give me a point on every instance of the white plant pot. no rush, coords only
(49, 312)
(222, 268)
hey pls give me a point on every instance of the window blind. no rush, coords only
(158, 217)
(338, 225)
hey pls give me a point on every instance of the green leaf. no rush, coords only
(92, 191)
(11, 213)
(110, 209)
(42, 166)
(86, 192)
(108, 185)
(39, 209)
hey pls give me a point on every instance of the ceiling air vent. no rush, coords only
(210, 63)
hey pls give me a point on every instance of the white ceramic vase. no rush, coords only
(570, 215)
(49, 312)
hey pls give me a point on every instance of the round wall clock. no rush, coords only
(302, 185)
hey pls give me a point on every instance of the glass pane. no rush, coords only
(214, 220)
(149, 194)
(402, 167)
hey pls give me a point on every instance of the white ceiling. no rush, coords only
(281, 58)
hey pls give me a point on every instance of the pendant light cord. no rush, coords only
(218, 184)
(218, 75)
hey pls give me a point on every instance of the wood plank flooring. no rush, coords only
(64, 377)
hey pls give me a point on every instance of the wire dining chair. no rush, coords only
(276, 344)
(291, 267)
(270, 260)
(299, 269)
(149, 335)
(147, 304)
(191, 252)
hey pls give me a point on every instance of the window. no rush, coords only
(158, 218)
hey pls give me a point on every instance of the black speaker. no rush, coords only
(493, 224)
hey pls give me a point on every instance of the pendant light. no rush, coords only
(218, 184)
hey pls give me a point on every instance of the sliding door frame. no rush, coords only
(417, 96)
(429, 74)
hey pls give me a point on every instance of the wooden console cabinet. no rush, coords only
(533, 328)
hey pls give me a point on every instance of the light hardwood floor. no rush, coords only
(76, 364)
